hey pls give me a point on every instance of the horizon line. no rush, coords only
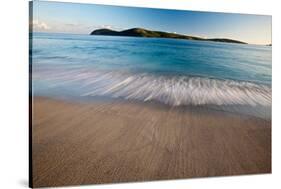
(246, 43)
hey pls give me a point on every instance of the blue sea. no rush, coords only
(173, 72)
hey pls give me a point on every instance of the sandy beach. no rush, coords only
(108, 142)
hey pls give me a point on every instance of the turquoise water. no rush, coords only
(170, 71)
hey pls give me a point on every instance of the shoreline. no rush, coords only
(239, 110)
(108, 142)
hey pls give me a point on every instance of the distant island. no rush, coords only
(140, 32)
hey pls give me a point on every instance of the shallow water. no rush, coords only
(169, 71)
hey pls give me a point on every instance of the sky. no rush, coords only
(77, 18)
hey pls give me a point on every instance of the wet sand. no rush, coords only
(100, 142)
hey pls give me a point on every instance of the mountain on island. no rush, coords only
(140, 32)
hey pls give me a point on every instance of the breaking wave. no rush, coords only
(171, 90)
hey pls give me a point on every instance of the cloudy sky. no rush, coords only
(84, 18)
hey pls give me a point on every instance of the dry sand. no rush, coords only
(76, 143)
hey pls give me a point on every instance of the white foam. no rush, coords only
(172, 90)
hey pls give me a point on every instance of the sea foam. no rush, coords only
(170, 90)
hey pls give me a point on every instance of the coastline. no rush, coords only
(103, 142)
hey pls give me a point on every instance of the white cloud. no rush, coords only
(107, 26)
(39, 25)
(74, 27)
(111, 27)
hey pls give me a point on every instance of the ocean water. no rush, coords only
(170, 71)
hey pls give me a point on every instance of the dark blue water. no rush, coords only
(170, 71)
